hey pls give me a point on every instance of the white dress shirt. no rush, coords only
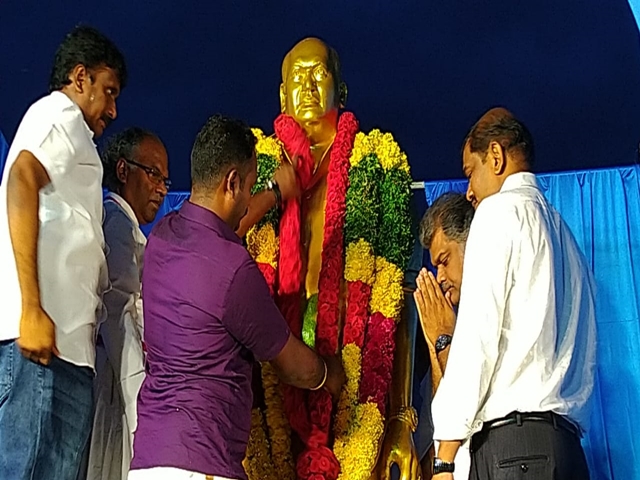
(525, 336)
(71, 261)
(120, 358)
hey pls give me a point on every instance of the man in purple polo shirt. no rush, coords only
(208, 315)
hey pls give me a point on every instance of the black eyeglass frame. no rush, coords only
(151, 173)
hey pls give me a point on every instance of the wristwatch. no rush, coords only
(443, 342)
(272, 186)
(440, 466)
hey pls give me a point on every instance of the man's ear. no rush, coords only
(122, 172)
(497, 157)
(232, 182)
(80, 78)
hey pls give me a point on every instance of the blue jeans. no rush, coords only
(45, 416)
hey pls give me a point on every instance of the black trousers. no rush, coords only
(528, 450)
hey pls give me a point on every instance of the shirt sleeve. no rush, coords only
(252, 316)
(486, 283)
(55, 149)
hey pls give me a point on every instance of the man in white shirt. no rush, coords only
(522, 360)
(443, 231)
(53, 264)
(136, 175)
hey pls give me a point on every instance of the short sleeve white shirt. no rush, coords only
(71, 261)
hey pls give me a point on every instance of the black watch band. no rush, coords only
(272, 186)
(440, 466)
(443, 342)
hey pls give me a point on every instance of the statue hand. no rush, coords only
(398, 448)
(435, 310)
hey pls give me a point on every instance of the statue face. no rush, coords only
(308, 90)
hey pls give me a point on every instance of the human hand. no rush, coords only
(37, 340)
(443, 476)
(285, 177)
(336, 377)
(435, 309)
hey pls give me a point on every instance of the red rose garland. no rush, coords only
(314, 429)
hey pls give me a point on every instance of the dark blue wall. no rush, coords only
(422, 69)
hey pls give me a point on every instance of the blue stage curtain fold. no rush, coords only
(602, 208)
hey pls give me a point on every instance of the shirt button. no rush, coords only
(524, 467)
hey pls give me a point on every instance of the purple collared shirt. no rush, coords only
(208, 314)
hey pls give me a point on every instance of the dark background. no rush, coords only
(425, 70)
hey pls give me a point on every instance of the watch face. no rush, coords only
(442, 342)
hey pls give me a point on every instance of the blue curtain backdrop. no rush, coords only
(602, 207)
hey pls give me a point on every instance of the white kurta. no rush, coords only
(120, 356)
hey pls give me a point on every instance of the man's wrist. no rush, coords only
(440, 466)
(272, 186)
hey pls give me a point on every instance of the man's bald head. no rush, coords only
(500, 125)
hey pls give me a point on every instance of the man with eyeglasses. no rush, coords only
(136, 176)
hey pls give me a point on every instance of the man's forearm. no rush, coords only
(26, 178)
(298, 365)
(448, 449)
(259, 205)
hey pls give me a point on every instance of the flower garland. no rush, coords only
(367, 211)
(379, 234)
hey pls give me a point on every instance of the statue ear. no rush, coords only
(343, 93)
(283, 98)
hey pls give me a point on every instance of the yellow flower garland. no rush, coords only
(360, 263)
(258, 460)
(279, 429)
(384, 146)
(263, 245)
(267, 145)
(387, 295)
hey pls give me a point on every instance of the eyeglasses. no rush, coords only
(154, 175)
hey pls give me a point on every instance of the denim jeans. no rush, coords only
(45, 416)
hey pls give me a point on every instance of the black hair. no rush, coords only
(121, 145)
(451, 212)
(86, 46)
(221, 143)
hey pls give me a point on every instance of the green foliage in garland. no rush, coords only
(267, 165)
(395, 240)
(363, 201)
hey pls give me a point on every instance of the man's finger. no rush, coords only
(447, 297)
(437, 290)
(425, 287)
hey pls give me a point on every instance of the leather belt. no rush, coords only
(558, 421)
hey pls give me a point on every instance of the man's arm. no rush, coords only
(474, 349)
(26, 178)
(262, 202)
(254, 320)
(437, 317)
(298, 365)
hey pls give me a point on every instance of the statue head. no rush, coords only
(312, 87)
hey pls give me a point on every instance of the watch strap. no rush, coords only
(440, 466)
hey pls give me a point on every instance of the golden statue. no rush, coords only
(335, 259)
